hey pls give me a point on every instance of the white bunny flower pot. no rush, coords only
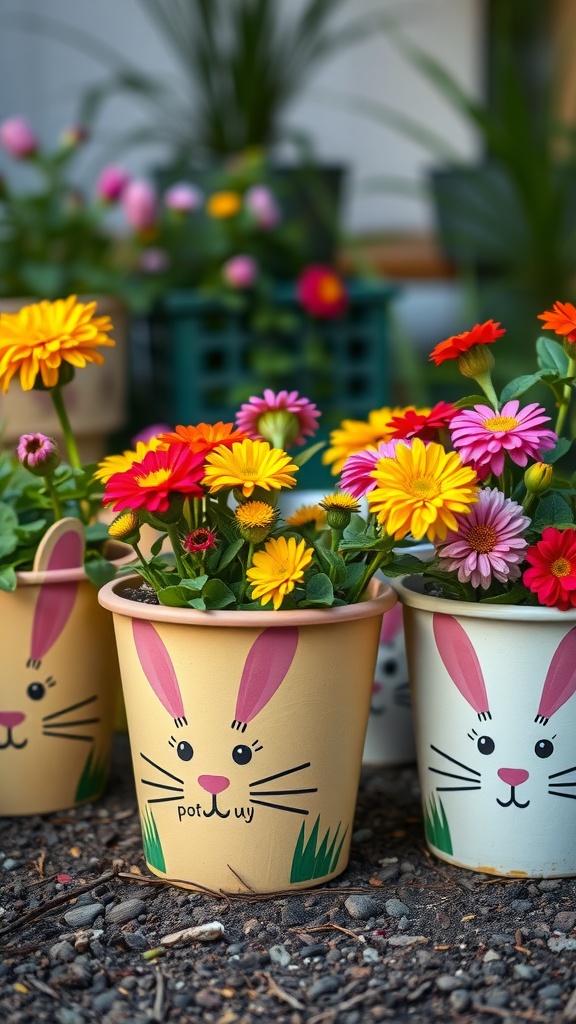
(246, 730)
(494, 704)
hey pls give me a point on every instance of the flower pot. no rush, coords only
(59, 690)
(493, 697)
(246, 731)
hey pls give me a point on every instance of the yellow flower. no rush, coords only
(354, 435)
(255, 520)
(43, 335)
(223, 204)
(249, 464)
(277, 569)
(307, 515)
(120, 463)
(339, 509)
(420, 489)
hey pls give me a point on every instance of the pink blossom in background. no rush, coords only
(261, 203)
(18, 138)
(321, 292)
(111, 183)
(240, 271)
(139, 205)
(182, 197)
(247, 419)
(153, 260)
(484, 437)
(356, 476)
(147, 433)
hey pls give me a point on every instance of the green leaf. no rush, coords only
(156, 547)
(552, 509)
(514, 596)
(176, 597)
(7, 578)
(196, 583)
(551, 356)
(562, 446)
(464, 403)
(217, 595)
(99, 571)
(229, 554)
(517, 387)
(333, 562)
(354, 572)
(319, 591)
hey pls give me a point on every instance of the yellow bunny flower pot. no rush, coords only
(246, 731)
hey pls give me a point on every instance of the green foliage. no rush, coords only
(153, 851)
(93, 779)
(436, 825)
(311, 861)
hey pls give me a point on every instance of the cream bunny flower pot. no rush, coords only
(246, 731)
(494, 703)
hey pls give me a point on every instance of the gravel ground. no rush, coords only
(398, 937)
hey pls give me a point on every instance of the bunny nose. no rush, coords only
(377, 687)
(214, 783)
(513, 776)
(11, 718)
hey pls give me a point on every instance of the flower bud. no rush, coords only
(240, 271)
(199, 540)
(279, 426)
(126, 527)
(261, 203)
(18, 138)
(73, 136)
(139, 205)
(111, 183)
(476, 361)
(38, 454)
(538, 477)
(339, 509)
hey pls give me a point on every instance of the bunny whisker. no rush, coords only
(455, 789)
(279, 775)
(285, 792)
(460, 764)
(72, 707)
(163, 799)
(161, 785)
(570, 796)
(279, 807)
(556, 775)
(452, 775)
(66, 736)
(163, 770)
(67, 725)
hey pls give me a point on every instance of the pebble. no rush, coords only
(62, 951)
(279, 955)
(521, 905)
(362, 835)
(526, 972)
(460, 1000)
(561, 943)
(370, 955)
(395, 908)
(81, 917)
(406, 940)
(361, 907)
(447, 983)
(128, 910)
(316, 949)
(564, 921)
(10, 863)
(323, 987)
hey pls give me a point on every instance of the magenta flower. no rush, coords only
(356, 476)
(153, 260)
(139, 205)
(484, 437)
(18, 138)
(111, 183)
(182, 197)
(240, 271)
(281, 419)
(38, 453)
(261, 203)
(488, 543)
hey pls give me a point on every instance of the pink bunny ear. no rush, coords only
(560, 682)
(391, 624)
(55, 600)
(461, 662)
(158, 668)
(266, 666)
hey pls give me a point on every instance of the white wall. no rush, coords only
(40, 78)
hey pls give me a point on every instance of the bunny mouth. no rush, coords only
(11, 742)
(376, 711)
(512, 801)
(215, 809)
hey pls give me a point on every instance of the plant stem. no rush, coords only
(566, 396)
(367, 575)
(60, 408)
(175, 542)
(54, 498)
(249, 558)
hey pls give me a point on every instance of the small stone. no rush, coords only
(128, 910)
(10, 863)
(406, 940)
(361, 907)
(526, 972)
(362, 835)
(83, 916)
(136, 941)
(316, 949)
(447, 983)
(496, 997)
(64, 952)
(521, 905)
(395, 908)
(323, 987)
(564, 921)
(460, 1000)
(279, 955)
(560, 943)
(491, 955)
(370, 955)
(69, 1015)
(551, 991)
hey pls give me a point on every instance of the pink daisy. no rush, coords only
(357, 476)
(484, 437)
(488, 542)
(302, 421)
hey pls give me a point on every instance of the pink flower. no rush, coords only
(240, 271)
(18, 138)
(261, 203)
(321, 292)
(488, 543)
(111, 183)
(153, 260)
(38, 453)
(284, 417)
(139, 205)
(484, 437)
(182, 197)
(148, 433)
(199, 540)
(356, 476)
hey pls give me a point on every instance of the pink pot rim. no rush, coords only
(29, 578)
(381, 598)
(411, 597)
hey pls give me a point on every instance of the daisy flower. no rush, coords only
(112, 464)
(423, 423)
(561, 319)
(480, 334)
(307, 515)
(420, 490)
(203, 437)
(357, 476)
(255, 520)
(249, 464)
(276, 570)
(488, 542)
(151, 483)
(199, 540)
(484, 437)
(552, 572)
(355, 435)
(283, 418)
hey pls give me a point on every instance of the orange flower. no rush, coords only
(222, 205)
(481, 334)
(561, 319)
(204, 437)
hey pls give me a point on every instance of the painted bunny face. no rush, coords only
(389, 736)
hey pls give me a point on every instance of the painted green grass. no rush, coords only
(153, 851)
(436, 825)
(313, 861)
(93, 779)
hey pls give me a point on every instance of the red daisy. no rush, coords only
(561, 319)
(481, 334)
(199, 540)
(149, 484)
(552, 576)
(422, 423)
(321, 292)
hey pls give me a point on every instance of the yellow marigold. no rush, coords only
(354, 435)
(120, 463)
(419, 490)
(307, 515)
(43, 335)
(255, 520)
(249, 464)
(276, 570)
(223, 204)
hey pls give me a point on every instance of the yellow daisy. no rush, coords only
(354, 435)
(420, 489)
(307, 515)
(255, 520)
(276, 570)
(120, 463)
(249, 464)
(43, 335)
(223, 204)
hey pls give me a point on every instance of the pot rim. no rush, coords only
(405, 587)
(28, 578)
(382, 598)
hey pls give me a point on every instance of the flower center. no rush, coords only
(155, 478)
(498, 423)
(329, 289)
(424, 487)
(482, 538)
(560, 567)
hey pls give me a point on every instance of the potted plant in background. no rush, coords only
(60, 672)
(247, 643)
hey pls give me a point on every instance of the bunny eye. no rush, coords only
(544, 748)
(242, 754)
(36, 691)
(185, 751)
(486, 745)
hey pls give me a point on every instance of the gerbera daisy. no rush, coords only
(276, 570)
(307, 515)
(484, 437)
(283, 418)
(561, 319)
(151, 483)
(43, 335)
(249, 464)
(255, 520)
(199, 540)
(488, 542)
(420, 491)
(357, 476)
(203, 437)
(480, 334)
(552, 576)
(355, 435)
(112, 464)
(423, 423)
(321, 292)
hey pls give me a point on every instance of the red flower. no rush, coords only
(481, 334)
(199, 540)
(553, 574)
(421, 422)
(151, 483)
(561, 319)
(321, 292)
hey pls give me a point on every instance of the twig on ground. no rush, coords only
(159, 1009)
(280, 993)
(327, 927)
(58, 901)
